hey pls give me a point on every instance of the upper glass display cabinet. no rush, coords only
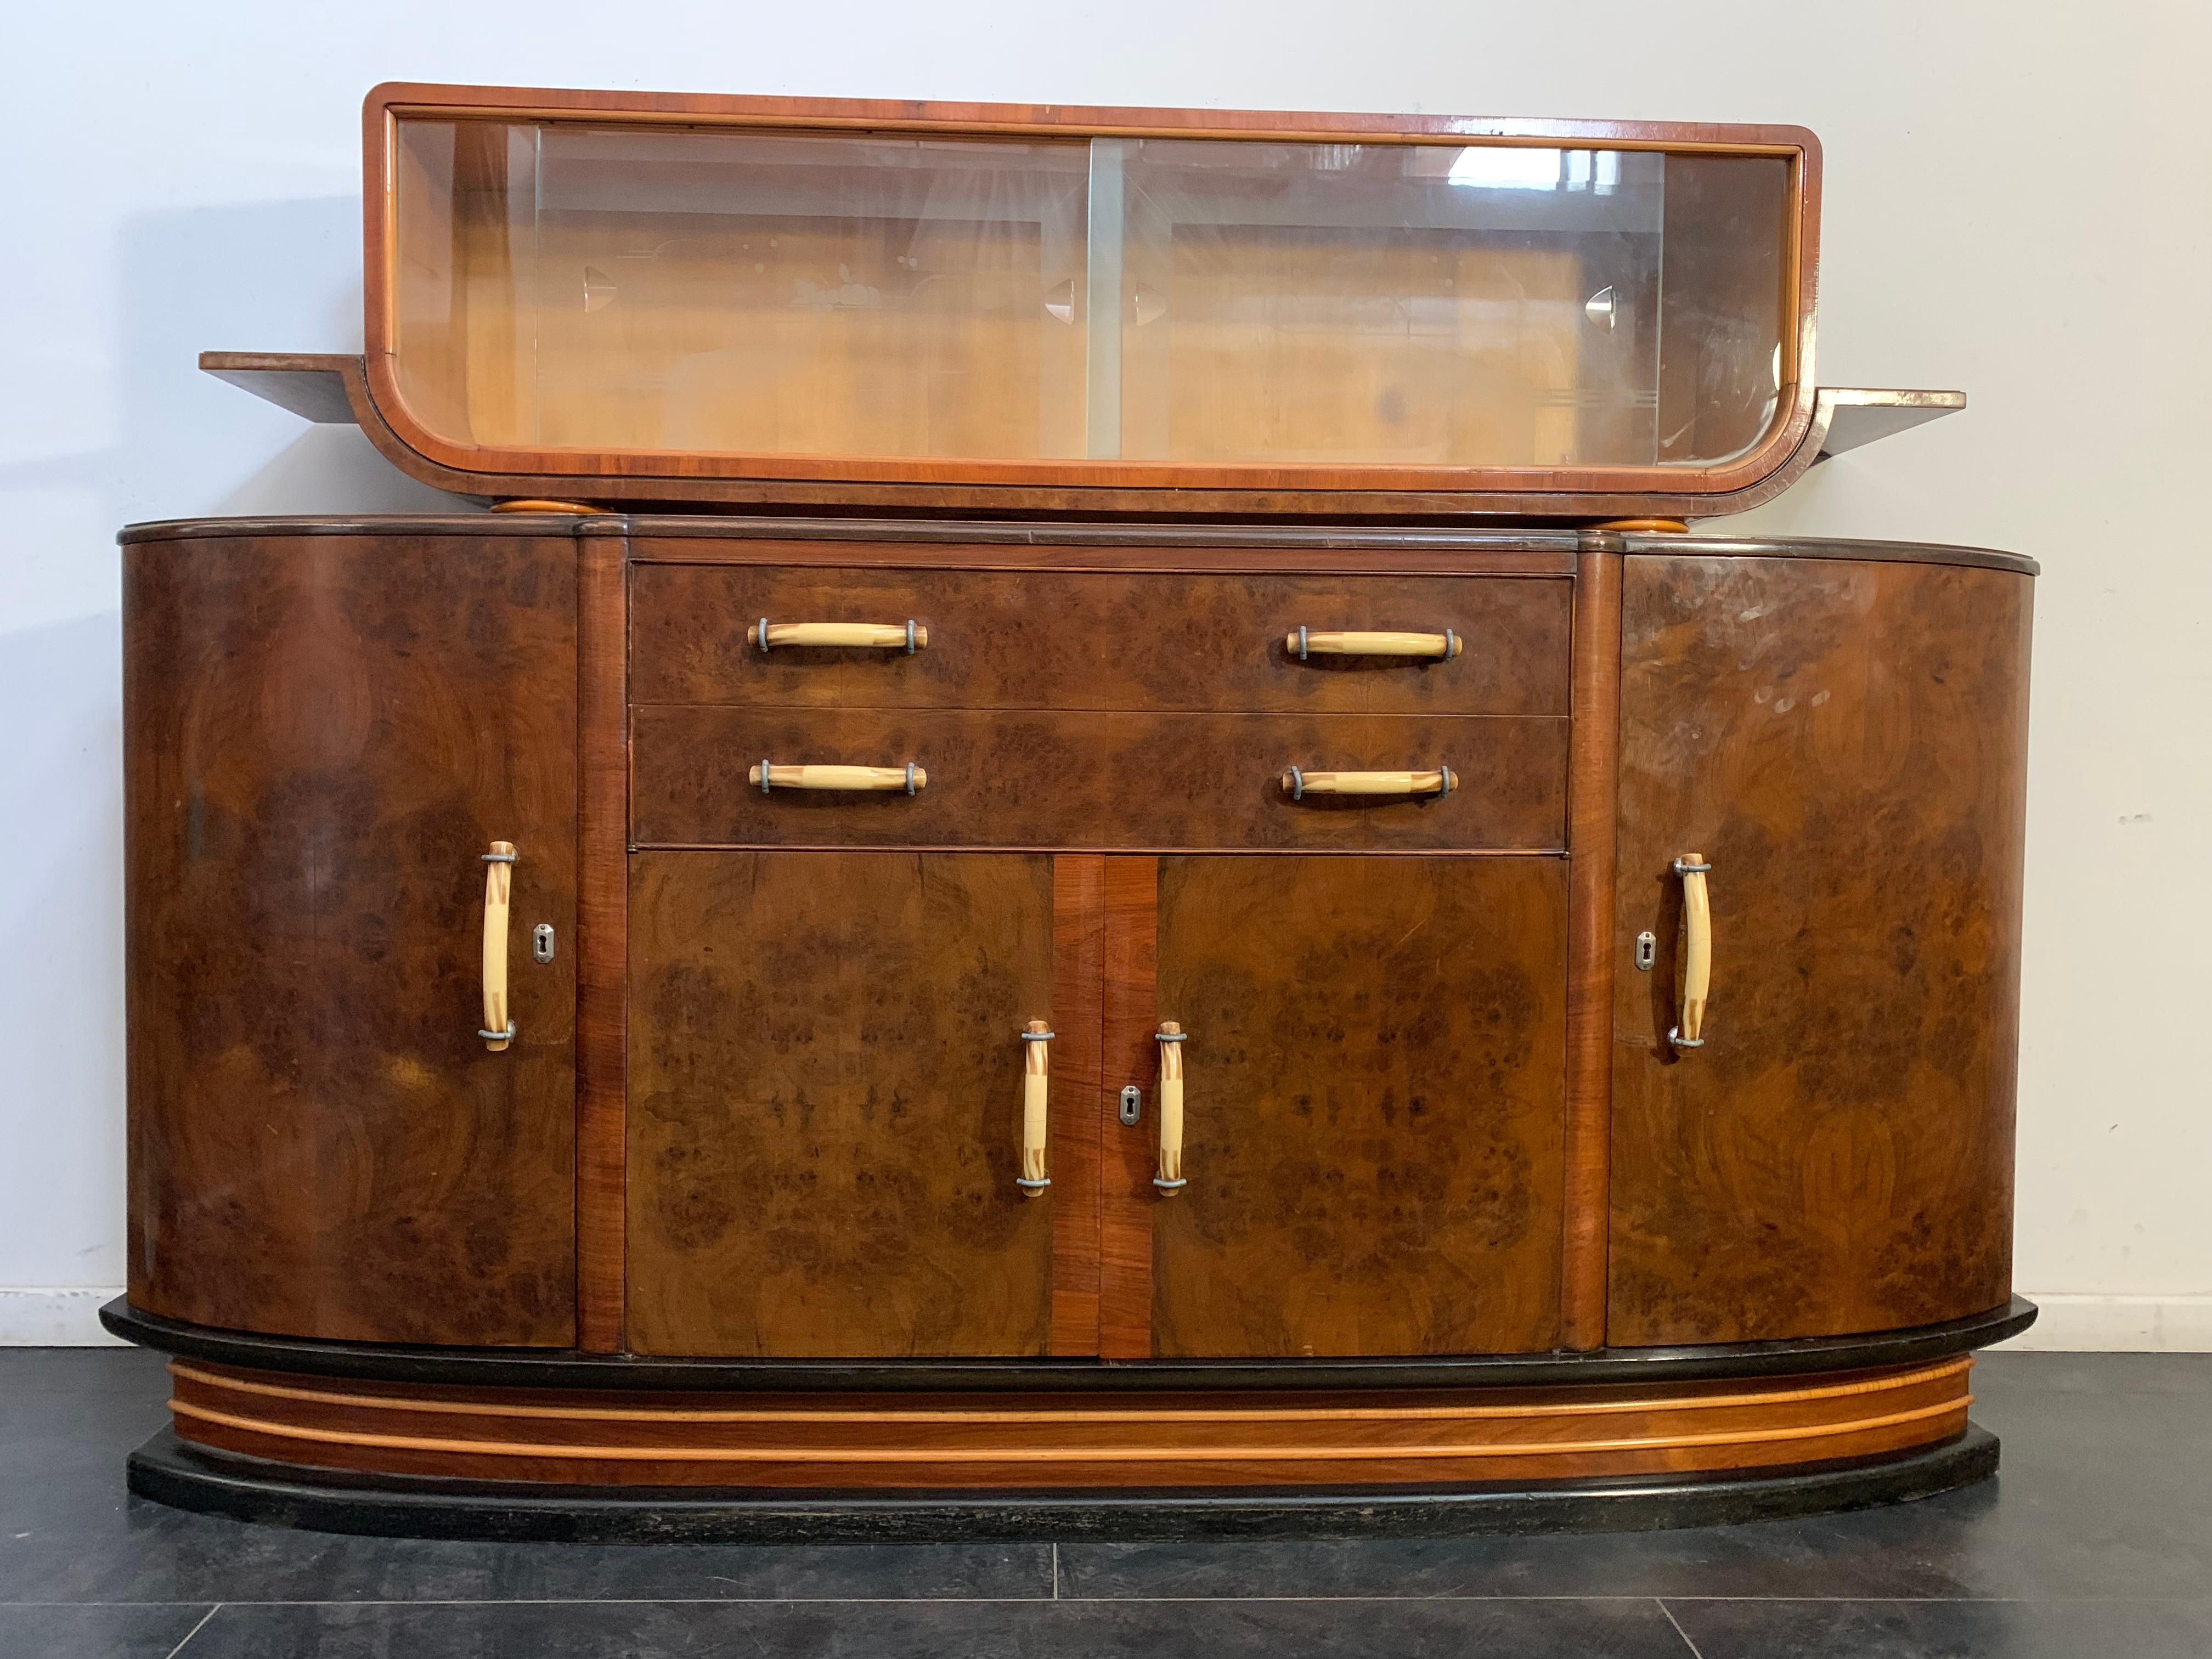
(603, 286)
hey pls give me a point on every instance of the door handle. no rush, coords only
(1035, 1081)
(1391, 643)
(1697, 952)
(909, 637)
(498, 1027)
(765, 775)
(1297, 784)
(1170, 1180)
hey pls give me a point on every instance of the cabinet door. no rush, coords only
(323, 735)
(1373, 1089)
(1844, 743)
(826, 1097)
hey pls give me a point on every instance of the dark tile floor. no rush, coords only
(2096, 1540)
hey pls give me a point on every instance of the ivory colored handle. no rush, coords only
(1697, 953)
(896, 636)
(1390, 643)
(1036, 1086)
(1297, 784)
(1169, 1180)
(906, 779)
(498, 891)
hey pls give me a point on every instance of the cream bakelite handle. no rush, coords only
(1169, 1180)
(1306, 642)
(911, 779)
(1697, 952)
(909, 637)
(498, 1029)
(1297, 784)
(1035, 1084)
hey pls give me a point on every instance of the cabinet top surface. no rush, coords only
(948, 542)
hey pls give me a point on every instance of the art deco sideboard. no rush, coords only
(1243, 977)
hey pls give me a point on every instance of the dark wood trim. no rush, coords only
(1078, 914)
(1413, 549)
(1130, 1022)
(168, 1471)
(602, 943)
(1592, 799)
(543, 1369)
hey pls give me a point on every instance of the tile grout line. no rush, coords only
(1056, 1571)
(195, 1630)
(1677, 1624)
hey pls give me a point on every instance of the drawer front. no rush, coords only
(1106, 781)
(1085, 639)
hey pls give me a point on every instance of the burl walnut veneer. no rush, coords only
(736, 1209)
(1245, 932)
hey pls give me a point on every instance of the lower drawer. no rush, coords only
(1109, 781)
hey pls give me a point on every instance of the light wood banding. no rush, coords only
(1074, 1441)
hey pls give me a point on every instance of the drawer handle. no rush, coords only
(1298, 784)
(1698, 951)
(498, 1027)
(1036, 1080)
(1442, 646)
(909, 637)
(1170, 1180)
(910, 778)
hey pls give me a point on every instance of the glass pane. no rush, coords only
(1308, 304)
(673, 290)
(756, 293)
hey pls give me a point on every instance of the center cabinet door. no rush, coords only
(826, 1097)
(1373, 1102)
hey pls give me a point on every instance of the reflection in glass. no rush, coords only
(731, 291)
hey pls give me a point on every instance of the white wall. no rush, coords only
(2016, 205)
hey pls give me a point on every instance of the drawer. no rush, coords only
(1095, 780)
(1098, 640)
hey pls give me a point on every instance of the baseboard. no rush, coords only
(2078, 1323)
(63, 1317)
(69, 1317)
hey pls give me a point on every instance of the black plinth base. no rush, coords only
(171, 1471)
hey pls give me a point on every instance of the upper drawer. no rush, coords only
(1085, 639)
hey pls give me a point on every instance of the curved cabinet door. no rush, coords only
(323, 735)
(825, 1102)
(1844, 743)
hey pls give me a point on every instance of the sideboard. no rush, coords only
(661, 1025)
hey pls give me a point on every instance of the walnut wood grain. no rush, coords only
(1131, 1057)
(1845, 745)
(602, 941)
(1592, 805)
(1080, 1114)
(1094, 781)
(321, 737)
(999, 640)
(820, 1163)
(1372, 1116)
